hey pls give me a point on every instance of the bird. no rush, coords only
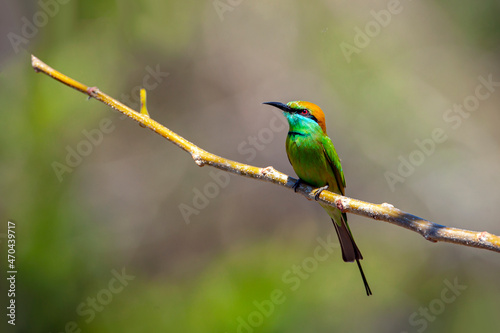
(315, 161)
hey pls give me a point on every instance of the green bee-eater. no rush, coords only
(315, 161)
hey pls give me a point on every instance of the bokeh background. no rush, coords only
(386, 73)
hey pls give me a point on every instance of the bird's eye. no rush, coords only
(304, 112)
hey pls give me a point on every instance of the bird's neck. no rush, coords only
(305, 131)
(302, 127)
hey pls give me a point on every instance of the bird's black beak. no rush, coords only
(281, 106)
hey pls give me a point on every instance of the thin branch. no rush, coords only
(384, 212)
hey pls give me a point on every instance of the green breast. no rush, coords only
(306, 154)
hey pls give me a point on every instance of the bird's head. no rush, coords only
(301, 111)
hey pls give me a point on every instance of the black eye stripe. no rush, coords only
(307, 114)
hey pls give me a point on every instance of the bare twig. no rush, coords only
(384, 212)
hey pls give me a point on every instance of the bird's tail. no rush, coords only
(350, 251)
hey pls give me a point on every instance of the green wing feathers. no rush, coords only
(334, 162)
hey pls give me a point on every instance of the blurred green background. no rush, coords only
(102, 245)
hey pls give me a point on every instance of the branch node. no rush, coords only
(340, 205)
(430, 238)
(387, 205)
(92, 91)
(483, 237)
(198, 160)
(266, 170)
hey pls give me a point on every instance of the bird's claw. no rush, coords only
(296, 185)
(318, 192)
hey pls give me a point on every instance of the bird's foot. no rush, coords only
(318, 192)
(296, 185)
